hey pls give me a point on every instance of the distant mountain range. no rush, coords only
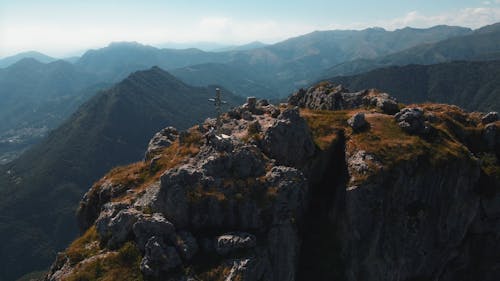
(212, 46)
(282, 66)
(37, 97)
(41, 189)
(244, 47)
(297, 62)
(7, 61)
(472, 85)
(482, 44)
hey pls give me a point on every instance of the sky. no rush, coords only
(63, 28)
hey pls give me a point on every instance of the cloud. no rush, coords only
(469, 17)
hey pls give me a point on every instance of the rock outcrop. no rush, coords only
(408, 194)
(328, 96)
(412, 120)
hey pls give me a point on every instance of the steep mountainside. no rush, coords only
(240, 80)
(351, 186)
(41, 189)
(8, 61)
(470, 85)
(482, 44)
(37, 97)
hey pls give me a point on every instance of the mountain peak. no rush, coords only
(120, 44)
(155, 74)
(7, 61)
(27, 62)
(232, 205)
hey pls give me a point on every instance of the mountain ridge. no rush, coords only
(10, 60)
(472, 85)
(480, 43)
(111, 128)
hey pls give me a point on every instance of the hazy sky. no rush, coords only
(66, 27)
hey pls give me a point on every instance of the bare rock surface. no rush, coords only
(328, 96)
(259, 199)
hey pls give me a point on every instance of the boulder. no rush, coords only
(357, 122)
(234, 241)
(384, 102)
(160, 140)
(94, 200)
(158, 258)
(115, 229)
(262, 102)
(490, 118)
(247, 115)
(154, 225)
(411, 120)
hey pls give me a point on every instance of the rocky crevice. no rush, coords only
(320, 256)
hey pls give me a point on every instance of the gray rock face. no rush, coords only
(385, 102)
(359, 164)
(253, 107)
(161, 140)
(199, 195)
(262, 102)
(93, 201)
(242, 163)
(115, 227)
(412, 120)
(412, 219)
(158, 258)
(186, 245)
(328, 96)
(490, 136)
(357, 122)
(215, 191)
(401, 225)
(289, 140)
(249, 269)
(231, 242)
(490, 117)
(154, 225)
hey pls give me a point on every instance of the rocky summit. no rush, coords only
(336, 185)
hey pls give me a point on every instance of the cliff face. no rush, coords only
(348, 192)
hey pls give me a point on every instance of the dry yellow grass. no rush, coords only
(85, 246)
(110, 266)
(325, 124)
(138, 176)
